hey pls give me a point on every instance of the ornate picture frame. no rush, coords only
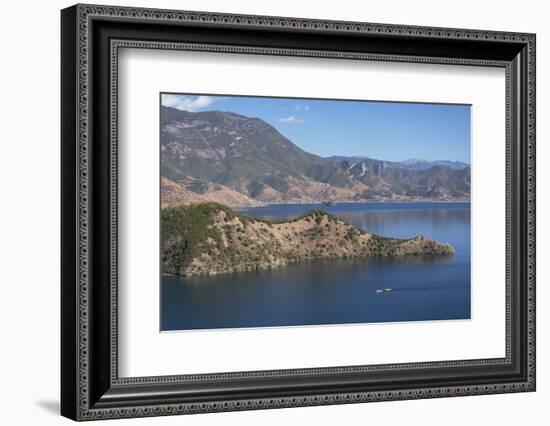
(91, 37)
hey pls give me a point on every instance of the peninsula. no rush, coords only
(210, 238)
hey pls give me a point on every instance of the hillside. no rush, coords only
(209, 238)
(191, 191)
(243, 161)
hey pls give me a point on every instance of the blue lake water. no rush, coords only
(337, 291)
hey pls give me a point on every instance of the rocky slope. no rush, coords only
(178, 193)
(243, 161)
(209, 238)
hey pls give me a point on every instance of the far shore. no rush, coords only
(332, 203)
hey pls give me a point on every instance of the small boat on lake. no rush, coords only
(384, 290)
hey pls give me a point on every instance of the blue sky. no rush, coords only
(384, 130)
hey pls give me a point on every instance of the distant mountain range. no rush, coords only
(242, 161)
(413, 163)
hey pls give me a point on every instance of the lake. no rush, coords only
(342, 291)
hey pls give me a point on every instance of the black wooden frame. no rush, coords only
(90, 387)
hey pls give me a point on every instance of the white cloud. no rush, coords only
(187, 103)
(302, 108)
(291, 119)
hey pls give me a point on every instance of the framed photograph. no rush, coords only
(263, 212)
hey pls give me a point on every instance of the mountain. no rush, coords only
(414, 163)
(389, 179)
(243, 161)
(209, 238)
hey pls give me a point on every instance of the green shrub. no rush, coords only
(185, 231)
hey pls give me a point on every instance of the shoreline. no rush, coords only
(367, 260)
(335, 203)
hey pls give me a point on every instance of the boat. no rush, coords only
(384, 290)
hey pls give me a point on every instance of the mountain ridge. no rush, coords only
(245, 161)
(411, 163)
